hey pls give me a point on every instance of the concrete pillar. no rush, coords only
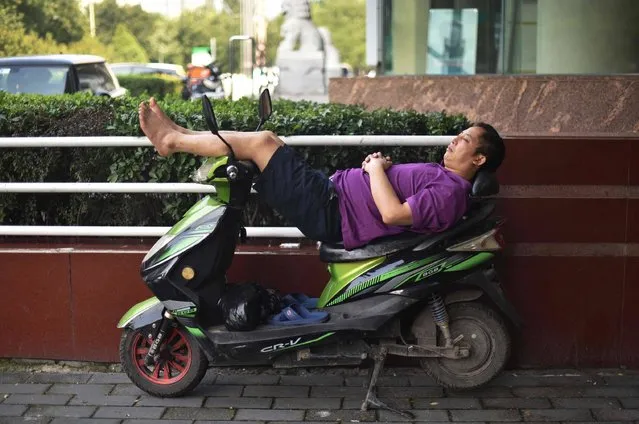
(587, 36)
(410, 36)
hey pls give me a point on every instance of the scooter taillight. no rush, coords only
(488, 241)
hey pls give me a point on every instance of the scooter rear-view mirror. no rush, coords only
(211, 122)
(209, 115)
(265, 108)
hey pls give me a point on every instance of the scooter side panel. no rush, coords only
(204, 206)
(191, 230)
(343, 274)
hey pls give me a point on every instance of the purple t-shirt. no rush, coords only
(437, 197)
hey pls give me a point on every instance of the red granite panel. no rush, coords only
(566, 161)
(35, 307)
(571, 306)
(105, 286)
(564, 220)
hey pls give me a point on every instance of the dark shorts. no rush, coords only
(304, 196)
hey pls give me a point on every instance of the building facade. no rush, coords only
(467, 37)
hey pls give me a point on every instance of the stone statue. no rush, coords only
(302, 71)
(298, 26)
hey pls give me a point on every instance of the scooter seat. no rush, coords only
(335, 252)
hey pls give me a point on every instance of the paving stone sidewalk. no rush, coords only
(320, 396)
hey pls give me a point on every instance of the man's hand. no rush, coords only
(392, 210)
(376, 160)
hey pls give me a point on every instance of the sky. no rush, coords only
(171, 8)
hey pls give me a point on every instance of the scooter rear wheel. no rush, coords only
(487, 338)
(180, 367)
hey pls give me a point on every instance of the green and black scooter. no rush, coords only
(433, 297)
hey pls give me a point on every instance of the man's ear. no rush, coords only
(479, 160)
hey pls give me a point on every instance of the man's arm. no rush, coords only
(392, 210)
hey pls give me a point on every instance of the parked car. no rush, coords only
(148, 68)
(58, 74)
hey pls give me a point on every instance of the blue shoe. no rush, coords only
(300, 298)
(296, 314)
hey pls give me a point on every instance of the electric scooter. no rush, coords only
(433, 297)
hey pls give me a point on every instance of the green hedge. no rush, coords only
(159, 86)
(85, 115)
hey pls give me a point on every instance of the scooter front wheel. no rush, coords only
(179, 367)
(486, 337)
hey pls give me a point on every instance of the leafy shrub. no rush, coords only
(86, 115)
(156, 85)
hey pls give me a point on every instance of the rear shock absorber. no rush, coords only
(440, 316)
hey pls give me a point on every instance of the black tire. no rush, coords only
(181, 366)
(487, 336)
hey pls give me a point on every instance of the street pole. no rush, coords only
(92, 19)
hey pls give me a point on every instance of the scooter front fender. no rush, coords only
(142, 314)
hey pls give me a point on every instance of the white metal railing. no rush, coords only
(297, 140)
(124, 231)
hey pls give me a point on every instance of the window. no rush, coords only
(464, 37)
(95, 77)
(33, 79)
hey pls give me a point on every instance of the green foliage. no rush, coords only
(90, 45)
(141, 24)
(147, 85)
(346, 21)
(273, 39)
(197, 27)
(126, 46)
(15, 40)
(86, 115)
(62, 19)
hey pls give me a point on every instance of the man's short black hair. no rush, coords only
(491, 145)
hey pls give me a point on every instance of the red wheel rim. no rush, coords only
(174, 362)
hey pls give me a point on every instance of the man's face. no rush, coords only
(461, 152)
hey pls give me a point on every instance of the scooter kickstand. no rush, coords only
(379, 356)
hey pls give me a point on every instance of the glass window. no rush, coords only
(386, 64)
(121, 70)
(464, 37)
(571, 37)
(95, 77)
(33, 79)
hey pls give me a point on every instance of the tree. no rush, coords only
(91, 45)
(346, 21)
(108, 15)
(126, 47)
(273, 39)
(196, 28)
(11, 32)
(15, 40)
(62, 19)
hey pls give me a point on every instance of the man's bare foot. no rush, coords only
(163, 136)
(155, 108)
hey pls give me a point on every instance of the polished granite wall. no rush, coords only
(521, 104)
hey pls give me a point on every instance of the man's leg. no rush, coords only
(155, 108)
(257, 147)
(301, 194)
